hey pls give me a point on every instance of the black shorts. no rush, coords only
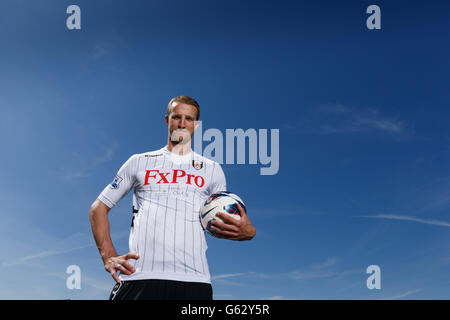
(155, 289)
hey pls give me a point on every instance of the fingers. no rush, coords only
(233, 229)
(113, 272)
(227, 219)
(129, 269)
(241, 210)
(222, 234)
(228, 237)
(131, 255)
(228, 223)
(224, 230)
(114, 275)
(230, 220)
(229, 228)
(125, 268)
(121, 264)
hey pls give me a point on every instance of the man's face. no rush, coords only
(181, 122)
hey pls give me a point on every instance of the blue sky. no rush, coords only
(364, 175)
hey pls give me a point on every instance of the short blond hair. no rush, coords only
(184, 99)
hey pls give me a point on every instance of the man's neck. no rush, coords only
(179, 148)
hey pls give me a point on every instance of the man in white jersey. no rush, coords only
(167, 258)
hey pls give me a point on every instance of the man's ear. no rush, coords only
(166, 118)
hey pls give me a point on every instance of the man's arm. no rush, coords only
(98, 217)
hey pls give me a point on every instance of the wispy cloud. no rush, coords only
(341, 119)
(405, 294)
(85, 165)
(347, 120)
(110, 44)
(315, 271)
(67, 245)
(42, 254)
(98, 284)
(328, 263)
(99, 50)
(292, 275)
(297, 275)
(275, 298)
(227, 275)
(408, 218)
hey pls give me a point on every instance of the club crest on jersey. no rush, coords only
(197, 164)
(116, 182)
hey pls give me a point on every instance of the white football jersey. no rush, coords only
(169, 190)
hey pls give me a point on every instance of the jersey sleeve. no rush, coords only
(123, 182)
(218, 181)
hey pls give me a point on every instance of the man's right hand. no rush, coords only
(120, 263)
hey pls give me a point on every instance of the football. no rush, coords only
(223, 201)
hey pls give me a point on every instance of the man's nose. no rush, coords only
(182, 123)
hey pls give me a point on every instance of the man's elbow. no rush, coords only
(97, 208)
(92, 213)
